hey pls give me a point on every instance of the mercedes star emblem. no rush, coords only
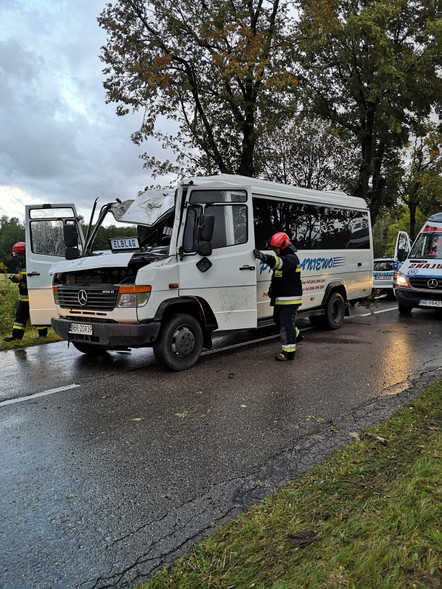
(82, 297)
(432, 283)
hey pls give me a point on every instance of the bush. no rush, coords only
(8, 304)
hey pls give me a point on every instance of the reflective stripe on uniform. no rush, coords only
(19, 326)
(289, 348)
(288, 301)
(278, 263)
(24, 299)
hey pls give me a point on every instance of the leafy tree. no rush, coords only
(372, 67)
(11, 231)
(310, 153)
(219, 70)
(420, 185)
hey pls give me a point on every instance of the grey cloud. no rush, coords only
(59, 141)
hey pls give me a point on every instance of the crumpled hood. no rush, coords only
(104, 260)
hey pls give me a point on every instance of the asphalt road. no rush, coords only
(111, 468)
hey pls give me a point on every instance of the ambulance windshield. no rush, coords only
(428, 245)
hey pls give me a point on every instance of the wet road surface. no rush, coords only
(111, 467)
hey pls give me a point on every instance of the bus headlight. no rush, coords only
(130, 297)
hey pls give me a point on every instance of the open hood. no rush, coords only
(147, 209)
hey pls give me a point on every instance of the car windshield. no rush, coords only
(383, 266)
(428, 246)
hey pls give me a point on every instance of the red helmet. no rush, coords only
(280, 240)
(19, 248)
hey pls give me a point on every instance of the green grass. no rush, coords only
(8, 305)
(374, 509)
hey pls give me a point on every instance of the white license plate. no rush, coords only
(82, 328)
(430, 303)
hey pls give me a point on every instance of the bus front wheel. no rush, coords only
(180, 343)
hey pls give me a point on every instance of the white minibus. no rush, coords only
(186, 270)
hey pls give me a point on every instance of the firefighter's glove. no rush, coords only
(13, 278)
(266, 258)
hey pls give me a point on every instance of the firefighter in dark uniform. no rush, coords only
(22, 312)
(285, 291)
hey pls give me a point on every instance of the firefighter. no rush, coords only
(22, 312)
(285, 292)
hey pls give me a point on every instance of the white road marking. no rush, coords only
(42, 394)
(374, 313)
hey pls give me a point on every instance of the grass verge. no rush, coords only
(8, 305)
(368, 516)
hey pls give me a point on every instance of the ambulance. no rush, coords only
(419, 279)
(186, 271)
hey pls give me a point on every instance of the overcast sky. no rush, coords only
(59, 141)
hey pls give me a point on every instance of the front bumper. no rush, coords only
(110, 335)
(411, 298)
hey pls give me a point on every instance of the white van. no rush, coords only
(419, 280)
(189, 271)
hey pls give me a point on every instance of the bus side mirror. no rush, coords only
(205, 234)
(207, 225)
(70, 236)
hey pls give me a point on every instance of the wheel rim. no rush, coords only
(183, 342)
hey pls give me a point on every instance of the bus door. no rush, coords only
(45, 246)
(226, 278)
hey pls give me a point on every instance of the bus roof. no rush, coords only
(266, 188)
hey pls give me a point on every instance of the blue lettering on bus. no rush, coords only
(311, 264)
(318, 264)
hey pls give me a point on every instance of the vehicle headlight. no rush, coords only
(130, 297)
(55, 294)
(402, 280)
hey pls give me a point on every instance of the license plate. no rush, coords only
(430, 303)
(82, 328)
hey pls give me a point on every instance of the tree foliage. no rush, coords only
(420, 183)
(311, 153)
(219, 70)
(230, 77)
(11, 231)
(371, 67)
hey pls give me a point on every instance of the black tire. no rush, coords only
(89, 349)
(404, 310)
(335, 311)
(180, 343)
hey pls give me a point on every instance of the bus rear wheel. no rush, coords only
(335, 311)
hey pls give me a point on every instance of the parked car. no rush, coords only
(383, 269)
